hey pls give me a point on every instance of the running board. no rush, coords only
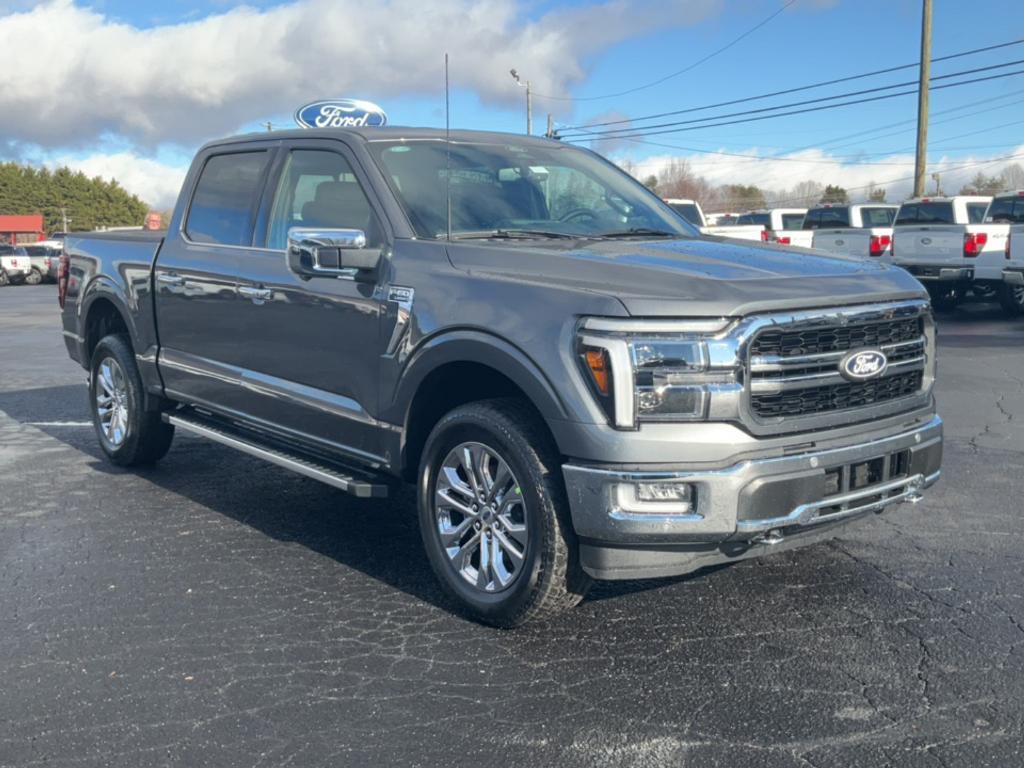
(345, 479)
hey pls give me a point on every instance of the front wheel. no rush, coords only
(35, 277)
(494, 517)
(1011, 298)
(129, 435)
(4, 279)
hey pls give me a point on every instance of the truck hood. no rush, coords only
(696, 277)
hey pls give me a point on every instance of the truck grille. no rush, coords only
(794, 366)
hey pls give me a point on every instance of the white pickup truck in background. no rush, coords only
(1008, 208)
(693, 213)
(944, 243)
(860, 230)
(781, 225)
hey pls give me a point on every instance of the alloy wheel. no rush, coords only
(112, 401)
(480, 517)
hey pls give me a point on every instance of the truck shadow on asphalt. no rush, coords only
(379, 538)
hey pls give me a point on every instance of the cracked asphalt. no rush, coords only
(216, 611)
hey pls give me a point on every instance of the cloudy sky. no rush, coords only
(129, 88)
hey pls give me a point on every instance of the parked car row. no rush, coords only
(31, 264)
(960, 247)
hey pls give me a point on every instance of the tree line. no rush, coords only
(88, 202)
(678, 180)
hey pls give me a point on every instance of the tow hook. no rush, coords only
(771, 537)
(914, 494)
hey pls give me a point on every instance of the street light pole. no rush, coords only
(529, 100)
(921, 157)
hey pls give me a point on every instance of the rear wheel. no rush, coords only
(35, 277)
(493, 515)
(1011, 298)
(128, 434)
(945, 298)
(4, 279)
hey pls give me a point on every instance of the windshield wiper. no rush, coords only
(512, 234)
(641, 232)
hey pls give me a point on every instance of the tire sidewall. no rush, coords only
(35, 277)
(460, 427)
(115, 347)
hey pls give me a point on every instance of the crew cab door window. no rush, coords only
(318, 190)
(227, 194)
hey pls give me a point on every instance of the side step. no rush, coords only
(348, 480)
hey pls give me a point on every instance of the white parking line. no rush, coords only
(59, 423)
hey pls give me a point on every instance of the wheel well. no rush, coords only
(103, 319)
(444, 389)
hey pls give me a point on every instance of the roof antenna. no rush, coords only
(447, 150)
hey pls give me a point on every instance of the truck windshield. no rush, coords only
(877, 217)
(792, 220)
(527, 189)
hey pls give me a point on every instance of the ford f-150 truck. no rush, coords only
(693, 213)
(944, 243)
(578, 385)
(15, 266)
(1008, 208)
(862, 230)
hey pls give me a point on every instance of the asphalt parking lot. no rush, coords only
(217, 611)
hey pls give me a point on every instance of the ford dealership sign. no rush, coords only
(341, 113)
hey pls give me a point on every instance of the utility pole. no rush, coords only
(551, 127)
(921, 157)
(270, 125)
(529, 100)
(64, 219)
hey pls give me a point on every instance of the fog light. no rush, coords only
(666, 498)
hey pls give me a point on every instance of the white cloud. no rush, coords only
(893, 172)
(156, 183)
(89, 75)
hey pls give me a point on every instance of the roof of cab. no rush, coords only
(391, 133)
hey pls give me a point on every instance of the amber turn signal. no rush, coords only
(597, 362)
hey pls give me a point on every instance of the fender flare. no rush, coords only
(102, 287)
(474, 346)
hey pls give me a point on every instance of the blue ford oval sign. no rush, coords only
(863, 364)
(341, 113)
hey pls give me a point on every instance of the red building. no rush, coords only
(22, 229)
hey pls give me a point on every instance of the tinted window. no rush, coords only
(688, 211)
(1006, 210)
(510, 185)
(225, 200)
(762, 219)
(792, 220)
(877, 217)
(976, 212)
(37, 250)
(925, 213)
(827, 218)
(318, 189)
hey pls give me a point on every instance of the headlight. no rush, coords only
(650, 370)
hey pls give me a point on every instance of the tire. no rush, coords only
(4, 279)
(35, 277)
(530, 513)
(944, 299)
(128, 434)
(1011, 298)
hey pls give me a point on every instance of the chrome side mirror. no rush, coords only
(330, 252)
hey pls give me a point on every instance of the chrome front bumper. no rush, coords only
(761, 501)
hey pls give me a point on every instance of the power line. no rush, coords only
(821, 84)
(684, 70)
(819, 100)
(670, 127)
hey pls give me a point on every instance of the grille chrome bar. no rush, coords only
(805, 381)
(766, 363)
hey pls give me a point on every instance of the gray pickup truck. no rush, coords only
(578, 384)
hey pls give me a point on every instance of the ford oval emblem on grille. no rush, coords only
(341, 113)
(863, 364)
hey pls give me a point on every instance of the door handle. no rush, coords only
(257, 295)
(170, 279)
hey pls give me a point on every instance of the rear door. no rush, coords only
(313, 344)
(201, 334)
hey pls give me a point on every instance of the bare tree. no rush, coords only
(1013, 176)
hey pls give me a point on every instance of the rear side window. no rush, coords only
(224, 204)
(925, 213)
(877, 217)
(688, 211)
(792, 220)
(1006, 210)
(976, 212)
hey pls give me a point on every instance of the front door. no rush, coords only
(313, 344)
